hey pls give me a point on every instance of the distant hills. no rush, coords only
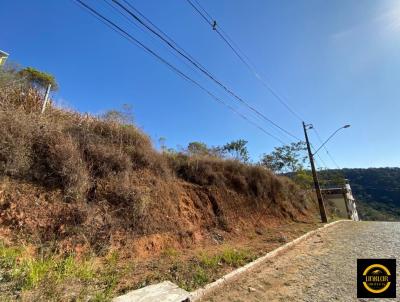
(377, 191)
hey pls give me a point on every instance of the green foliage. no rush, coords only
(197, 148)
(303, 178)
(377, 190)
(170, 252)
(38, 79)
(229, 256)
(48, 276)
(234, 257)
(200, 277)
(109, 277)
(8, 256)
(201, 149)
(237, 150)
(206, 267)
(287, 158)
(27, 272)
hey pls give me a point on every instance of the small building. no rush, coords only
(341, 201)
(3, 57)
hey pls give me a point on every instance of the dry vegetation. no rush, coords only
(81, 185)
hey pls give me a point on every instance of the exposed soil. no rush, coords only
(75, 187)
(253, 243)
(32, 215)
(178, 251)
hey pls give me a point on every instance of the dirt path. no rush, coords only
(321, 268)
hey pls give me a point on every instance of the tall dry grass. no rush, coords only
(113, 181)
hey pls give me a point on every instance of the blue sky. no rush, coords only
(335, 62)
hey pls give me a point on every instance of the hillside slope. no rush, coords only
(89, 209)
(99, 178)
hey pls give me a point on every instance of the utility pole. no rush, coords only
(46, 97)
(321, 205)
(3, 57)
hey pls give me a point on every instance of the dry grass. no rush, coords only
(75, 184)
(250, 180)
(92, 159)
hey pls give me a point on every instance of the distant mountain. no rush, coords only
(377, 191)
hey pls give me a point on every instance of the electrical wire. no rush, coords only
(247, 62)
(133, 40)
(326, 149)
(197, 65)
(242, 56)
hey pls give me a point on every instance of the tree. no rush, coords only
(237, 149)
(38, 79)
(303, 178)
(197, 148)
(201, 149)
(124, 116)
(162, 140)
(287, 158)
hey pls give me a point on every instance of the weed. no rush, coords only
(28, 273)
(200, 277)
(70, 268)
(234, 257)
(170, 252)
(209, 261)
(109, 277)
(8, 256)
(229, 256)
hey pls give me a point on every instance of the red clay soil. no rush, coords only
(174, 214)
(76, 183)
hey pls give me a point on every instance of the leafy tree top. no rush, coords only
(287, 158)
(39, 79)
(237, 149)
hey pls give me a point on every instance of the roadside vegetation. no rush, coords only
(87, 202)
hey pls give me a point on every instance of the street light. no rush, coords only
(321, 205)
(323, 144)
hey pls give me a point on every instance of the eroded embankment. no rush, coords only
(79, 185)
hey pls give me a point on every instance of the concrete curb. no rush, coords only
(201, 292)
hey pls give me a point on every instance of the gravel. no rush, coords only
(321, 268)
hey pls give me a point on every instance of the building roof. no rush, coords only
(3, 54)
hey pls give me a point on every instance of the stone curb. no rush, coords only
(201, 292)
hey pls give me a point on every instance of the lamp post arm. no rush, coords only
(328, 140)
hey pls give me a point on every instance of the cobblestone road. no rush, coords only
(321, 268)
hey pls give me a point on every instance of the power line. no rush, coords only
(251, 67)
(200, 13)
(322, 165)
(241, 55)
(247, 62)
(136, 42)
(119, 12)
(142, 29)
(160, 32)
(171, 43)
(326, 149)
